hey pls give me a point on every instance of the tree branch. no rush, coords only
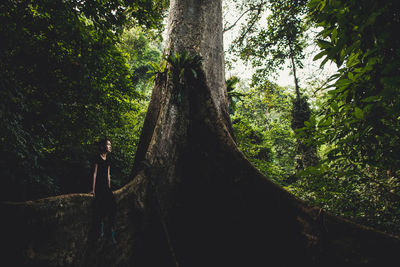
(253, 20)
(234, 24)
(252, 23)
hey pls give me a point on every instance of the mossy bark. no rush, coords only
(194, 199)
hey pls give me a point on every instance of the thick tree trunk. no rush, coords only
(194, 199)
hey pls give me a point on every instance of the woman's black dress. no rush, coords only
(104, 200)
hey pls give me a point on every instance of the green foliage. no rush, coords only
(182, 70)
(356, 123)
(139, 50)
(278, 38)
(261, 123)
(268, 47)
(111, 16)
(301, 112)
(156, 70)
(362, 104)
(125, 140)
(64, 84)
(357, 127)
(233, 95)
(364, 194)
(183, 64)
(303, 123)
(253, 143)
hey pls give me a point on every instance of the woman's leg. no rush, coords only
(112, 217)
(99, 215)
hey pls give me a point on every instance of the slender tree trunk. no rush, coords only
(194, 199)
(301, 113)
(296, 81)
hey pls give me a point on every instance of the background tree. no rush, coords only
(261, 123)
(275, 34)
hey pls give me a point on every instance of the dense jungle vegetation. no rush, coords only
(73, 72)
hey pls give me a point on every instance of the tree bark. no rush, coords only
(194, 199)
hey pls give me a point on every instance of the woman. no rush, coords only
(104, 201)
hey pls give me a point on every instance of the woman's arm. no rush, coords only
(109, 179)
(94, 177)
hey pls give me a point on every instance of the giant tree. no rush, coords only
(194, 199)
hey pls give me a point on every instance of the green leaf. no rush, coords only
(352, 60)
(313, 4)
(319, 55)
(325, 122)
(324, 44)
(358, 113)
(334, 35)
(369, 99)
(324, 62)
(342, 84)
(334, 106)
(351, 76)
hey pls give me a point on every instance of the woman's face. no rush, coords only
(108, 146)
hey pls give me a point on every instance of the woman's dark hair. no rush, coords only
(101, 144)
